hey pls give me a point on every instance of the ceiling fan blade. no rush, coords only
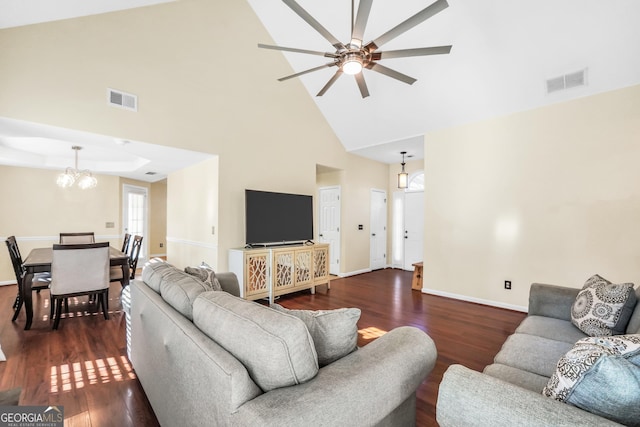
(296, 50)
(331, 81)
(406, 25)
(315, 24)
(391, 73)
(310, 70)
(361, 21)
(362, 85)
(404, 53)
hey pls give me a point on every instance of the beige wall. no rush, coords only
(192, 212)
(549, 195)
(37, 210)
(40, 210)
(158, 219)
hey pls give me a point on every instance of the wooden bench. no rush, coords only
(416, 283)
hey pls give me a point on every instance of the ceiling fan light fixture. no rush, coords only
(352, 64)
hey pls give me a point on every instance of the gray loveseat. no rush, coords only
(509, 392)
(190, 379)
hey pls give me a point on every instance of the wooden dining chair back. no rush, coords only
(135, 254)
(79, 269)
(125, 243)
(116, 274)
(77, 238)
(40, 280)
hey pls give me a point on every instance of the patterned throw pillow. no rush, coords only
(334, 332)
(601, 375)
(206, 274)
(603, 308)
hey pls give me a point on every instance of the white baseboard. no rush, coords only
(476, 300)
(157, 255)
(354, 273)
(8, 282)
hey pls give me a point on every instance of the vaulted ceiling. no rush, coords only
(503, 53)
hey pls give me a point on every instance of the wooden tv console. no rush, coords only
(278, 270)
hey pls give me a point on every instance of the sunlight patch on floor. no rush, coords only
(371, 332)
(77, 375)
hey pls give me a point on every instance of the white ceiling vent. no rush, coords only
(117, 98)
(568, 81)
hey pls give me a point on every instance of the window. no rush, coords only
(416, 181)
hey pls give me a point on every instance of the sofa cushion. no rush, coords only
(205, 274)
(549, 327)
(152, 272)
(603, 308)
(533, 354)
(180, 290)
(334, 332)
(634, 321)
(601, 375)
(276, 348)
(524, 379)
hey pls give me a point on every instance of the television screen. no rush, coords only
(277, 217)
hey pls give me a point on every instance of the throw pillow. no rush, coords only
(334, 332)
(206, 274)
(603, 308)
(601, 375)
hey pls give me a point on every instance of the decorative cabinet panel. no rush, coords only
(269, 272)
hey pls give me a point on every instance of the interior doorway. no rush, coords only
(329, 224)
(135, 216)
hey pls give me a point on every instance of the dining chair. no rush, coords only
(40, 280)
(115, 273)
(125, 243)
(73, 238)
(79, 269)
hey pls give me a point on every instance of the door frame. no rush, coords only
(371, 216)
(130, 188)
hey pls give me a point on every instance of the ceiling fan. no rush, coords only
(353, 57)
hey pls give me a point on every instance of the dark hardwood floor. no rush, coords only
(83, 366)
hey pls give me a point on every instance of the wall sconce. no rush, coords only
(403, 177)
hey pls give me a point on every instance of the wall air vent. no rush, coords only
(117, 98)
(567, 81)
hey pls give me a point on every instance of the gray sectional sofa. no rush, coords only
(509, 392)
(260, 368)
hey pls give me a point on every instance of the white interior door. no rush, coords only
(413, 228)
(329, 224)
(135, 216)
(378, 225)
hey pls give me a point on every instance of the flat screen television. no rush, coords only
(274, 218)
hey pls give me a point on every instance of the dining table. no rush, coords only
(39, 261)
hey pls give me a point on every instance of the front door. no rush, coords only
(413, 228)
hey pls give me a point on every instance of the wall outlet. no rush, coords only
(109, 225)
(507, 284)
(162, 245)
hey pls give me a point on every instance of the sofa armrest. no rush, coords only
(229, 283)
(470, 398)
(361, 389)
(551, 301)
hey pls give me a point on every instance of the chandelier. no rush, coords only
(82, 178)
